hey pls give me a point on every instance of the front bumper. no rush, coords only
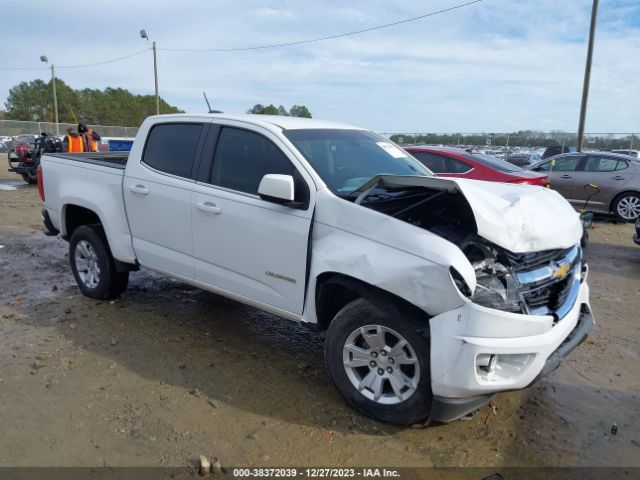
(526, 347)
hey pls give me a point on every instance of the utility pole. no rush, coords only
(587, 76)
(43, 58)
(143, 34)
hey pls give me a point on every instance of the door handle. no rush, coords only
(565, 176)
(139, 189)
(618, 177)
(209, 207)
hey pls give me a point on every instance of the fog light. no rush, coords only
(487, 362)
(492, 367)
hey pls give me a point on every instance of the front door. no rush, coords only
(562, 173)
(243, 244)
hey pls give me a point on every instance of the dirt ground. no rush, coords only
(167, 373)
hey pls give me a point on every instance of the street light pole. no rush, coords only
(155, 74)
(43, 58)
(55, 98)
(587, 76)
(143, 34)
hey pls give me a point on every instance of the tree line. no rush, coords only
(33, 101)
(523, 138)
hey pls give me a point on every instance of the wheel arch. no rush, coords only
(74, 216)
(335, 290)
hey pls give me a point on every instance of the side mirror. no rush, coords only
(277, 188)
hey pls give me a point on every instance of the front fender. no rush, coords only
(421, 282)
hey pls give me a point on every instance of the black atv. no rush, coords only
(24, 158)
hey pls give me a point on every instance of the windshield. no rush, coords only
(347, 159)
(493, 162)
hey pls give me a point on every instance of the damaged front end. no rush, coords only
(541, 281)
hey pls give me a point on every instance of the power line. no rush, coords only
(86, 65)
(319, 39)
(255, 47)
(106, 61)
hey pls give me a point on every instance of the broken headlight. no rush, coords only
(496, 284)
(496, 288)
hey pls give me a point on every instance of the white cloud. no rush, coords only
(496, 65)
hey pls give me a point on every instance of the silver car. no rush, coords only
(617, 177)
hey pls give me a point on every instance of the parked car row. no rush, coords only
(616, 176)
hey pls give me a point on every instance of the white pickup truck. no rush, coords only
(435, 293)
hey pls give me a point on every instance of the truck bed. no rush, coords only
(105, 159)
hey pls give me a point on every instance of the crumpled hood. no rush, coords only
(519, 218)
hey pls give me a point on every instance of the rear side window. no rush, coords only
(441, 164)
(171, 147)
(597, 163)
(435, 163)
(456, 166)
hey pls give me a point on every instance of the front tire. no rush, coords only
(380, 364)
(93, 265)
(627, 206)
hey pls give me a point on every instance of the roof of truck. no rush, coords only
(285, 123)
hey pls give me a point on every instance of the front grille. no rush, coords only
(547, 279)
(530, 261)
(550, 294)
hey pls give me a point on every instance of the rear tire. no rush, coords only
(627, 206)
(93, 265)
(30, 179)
(373, 368)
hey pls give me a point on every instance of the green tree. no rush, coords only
(295, 111)
(112, 106)
(260, 109)
(300, 111)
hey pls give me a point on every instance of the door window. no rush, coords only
(243, 157)
(171, 147)
(562, 164)
(597, 163)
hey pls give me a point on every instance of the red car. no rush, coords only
(455, 162)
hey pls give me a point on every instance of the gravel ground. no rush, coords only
(167, 373)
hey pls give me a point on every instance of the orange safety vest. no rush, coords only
(93, 145)
(76, 145)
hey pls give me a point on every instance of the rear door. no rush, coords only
(243, 244)
(562, 174)
(157, 195)
(610, 174)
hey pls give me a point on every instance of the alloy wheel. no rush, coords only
(381, 364)
(86, 260)
(629, 207)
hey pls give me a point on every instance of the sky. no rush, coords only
(494, 66)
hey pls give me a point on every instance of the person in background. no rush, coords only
(90, 138)
(73, 142)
